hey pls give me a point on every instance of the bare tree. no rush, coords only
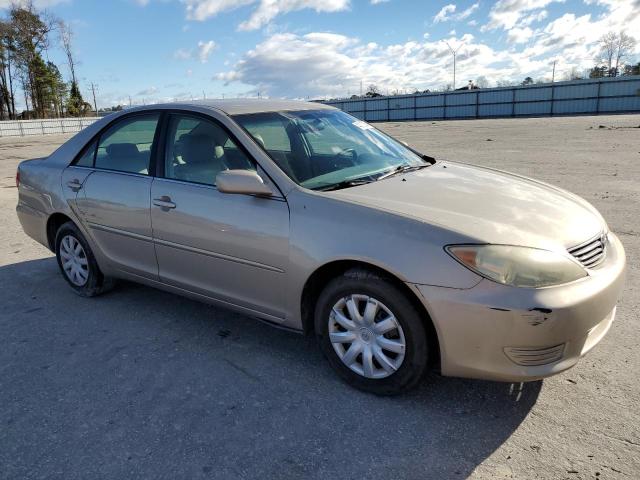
(573, 74)
(66, 38)
(608, 43)
(626, 44)
(482, 82)
(614, 47)
(373, 91)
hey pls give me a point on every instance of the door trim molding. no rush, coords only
(220, 256)
(125, 233)
(274, 320)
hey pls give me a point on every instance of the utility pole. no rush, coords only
(204, 95)
(93, 90)
(360, 87)
(553, 74)
(454, 52)
(130, 100)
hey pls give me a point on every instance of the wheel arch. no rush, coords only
(54, 222)
(325, 273)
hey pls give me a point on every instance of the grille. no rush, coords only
(591, 253)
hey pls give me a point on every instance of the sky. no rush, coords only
(146, 51)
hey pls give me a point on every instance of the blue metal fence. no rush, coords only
(577, 97)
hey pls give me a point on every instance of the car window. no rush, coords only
(324, 149)
(271, 134)
(126, 146)
(198, 149)
(325, 138)
(86, 160)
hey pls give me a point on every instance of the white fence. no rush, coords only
(21, 128)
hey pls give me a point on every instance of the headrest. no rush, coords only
(259, 139)
(197, 148)
(122, 150)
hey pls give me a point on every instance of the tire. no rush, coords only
(78, 264)
(391, 373)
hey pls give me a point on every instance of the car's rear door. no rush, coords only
(233, 248)
(114, 200)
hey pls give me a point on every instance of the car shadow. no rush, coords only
(139, 382)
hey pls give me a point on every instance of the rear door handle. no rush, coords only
(164, 203)
(74, 184)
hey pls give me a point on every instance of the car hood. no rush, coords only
(485, 204)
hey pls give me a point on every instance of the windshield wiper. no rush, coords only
(402, 169)
(343, 184)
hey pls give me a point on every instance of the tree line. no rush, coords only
(26, 36)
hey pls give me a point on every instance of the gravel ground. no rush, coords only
(143, 384)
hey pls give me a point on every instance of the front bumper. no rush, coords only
(496, 332)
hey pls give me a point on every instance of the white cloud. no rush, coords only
(327, 64)
(146, 92)
(205, 49)
(507, 13)
(204, 9)
(468, 12)
(376, 2)
(269, 9)
(445, 13)
(448, 13)
(202, 52)
(534, 18)
(265, 11)
(182, 54)
(520, 35)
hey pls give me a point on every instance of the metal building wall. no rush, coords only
(577, 97)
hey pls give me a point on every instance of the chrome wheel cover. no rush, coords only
(366, 336)
(74, 260)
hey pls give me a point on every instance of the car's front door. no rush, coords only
(233, 248)
(114, 199)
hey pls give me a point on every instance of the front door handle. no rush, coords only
(164, 203)
(74, 184)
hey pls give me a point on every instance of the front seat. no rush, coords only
(202, 159)
(126, 157)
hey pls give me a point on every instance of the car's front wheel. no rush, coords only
(78, 264)
(371, 333)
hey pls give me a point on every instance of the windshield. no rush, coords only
(324, 148)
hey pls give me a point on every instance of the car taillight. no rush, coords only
(17, 178)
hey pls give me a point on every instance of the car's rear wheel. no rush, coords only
(78, 264)
(371, 333)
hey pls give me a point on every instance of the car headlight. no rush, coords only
(518, 266)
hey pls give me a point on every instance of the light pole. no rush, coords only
(95, 104)
(454, 52)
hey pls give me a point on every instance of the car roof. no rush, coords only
(238, 106)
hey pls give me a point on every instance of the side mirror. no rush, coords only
(245, 182)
